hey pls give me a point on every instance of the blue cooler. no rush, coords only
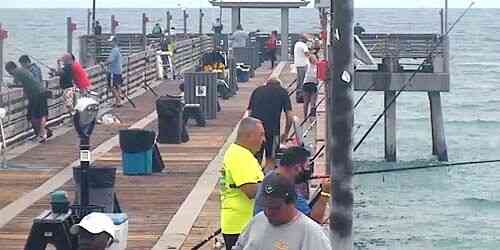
(137, 151)
(242, 72)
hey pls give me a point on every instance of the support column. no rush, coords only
(3, 36)
(185, 17)
(390, 65)
(69, 35)
(438, 136)
(235, 18)
(284, 34)
(169, 20)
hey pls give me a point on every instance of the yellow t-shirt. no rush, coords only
(240, 167)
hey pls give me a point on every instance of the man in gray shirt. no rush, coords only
(115, 75)
(239, 37)
(281, 226)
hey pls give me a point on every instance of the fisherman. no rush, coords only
(300, 55)
(36, 94)
(98, 28)
(281, 225)
(266, 104)
(358, 29)
(291, 166)
(239, 37)
(240, 176)
(95, 231)
(272, 47)
(217, 26)
(36, 72)
(115, 78)
(310, 88)
(157, 29)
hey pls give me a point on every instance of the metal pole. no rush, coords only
(93, 17)
(2, 37)
(445, 16)
(84, 166)
(340, 118)
(284, 34)
(69, 42)
(113, 28)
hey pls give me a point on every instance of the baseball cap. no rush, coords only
(276, 190)
(112, 38)
(96, 223)
(293, 156)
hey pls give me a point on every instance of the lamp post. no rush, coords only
(93, 16)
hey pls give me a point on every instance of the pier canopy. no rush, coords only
(284, 5)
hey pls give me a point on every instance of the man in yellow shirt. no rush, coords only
(240, 177)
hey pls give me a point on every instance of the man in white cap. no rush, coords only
(95, 231)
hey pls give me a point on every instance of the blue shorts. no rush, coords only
(115, 80)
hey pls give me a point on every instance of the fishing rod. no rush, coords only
(444, 165)
(34, 58)
(145, 84)
(364, 94)
(408, 82)
(110, 78)
(205, 241)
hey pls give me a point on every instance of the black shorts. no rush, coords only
(37, 107)
(271, 145)
(115, 80)
(310, 87)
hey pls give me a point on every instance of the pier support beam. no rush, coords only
(439, 147)
(284, 33)
(235, 18)
(390, 65)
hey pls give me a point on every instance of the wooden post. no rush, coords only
(201, 22)
(439, 147)
(144, 24)
(340, 117)
(235, 18)
(113, 25)
(284, 34)
(185, 17)
(89, 14)
(169, 20)
(93, 17)
(390, 65)
(69, 38)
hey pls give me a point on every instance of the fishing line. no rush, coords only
(33, 57)
(408, 82)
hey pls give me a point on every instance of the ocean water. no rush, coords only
(448, 208)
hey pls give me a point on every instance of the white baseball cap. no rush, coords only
(96, 223)
(111, 38)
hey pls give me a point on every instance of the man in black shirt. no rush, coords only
(266, 104)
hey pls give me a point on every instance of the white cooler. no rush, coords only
(121, 223)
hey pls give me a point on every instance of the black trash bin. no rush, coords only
(171, 127)
(101, 186)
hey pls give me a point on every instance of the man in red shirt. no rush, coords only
(271, 46)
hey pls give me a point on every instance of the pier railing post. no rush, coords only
(235, 18)
(185, 16)
(145, 21)
(390, 65)
(69, 39)
(114, 24)
(169, 20)
(340, 118)
(284, 34)
(201, 22)
(3, 36)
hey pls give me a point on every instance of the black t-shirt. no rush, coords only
(66, 77)
(266, 104)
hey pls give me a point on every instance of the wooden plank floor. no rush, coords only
(149, 201)
(209, 219)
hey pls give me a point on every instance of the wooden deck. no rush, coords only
(149, 201)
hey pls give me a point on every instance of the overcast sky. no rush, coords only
(204, 3)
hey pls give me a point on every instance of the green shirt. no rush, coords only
(240, 167)
(31, 87)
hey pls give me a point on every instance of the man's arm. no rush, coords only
(250, 189)
(318, 210)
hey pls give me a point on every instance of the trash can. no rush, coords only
(137, 151)
(201, 88)
(101, 186)
(170, 122)
(242, 72)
